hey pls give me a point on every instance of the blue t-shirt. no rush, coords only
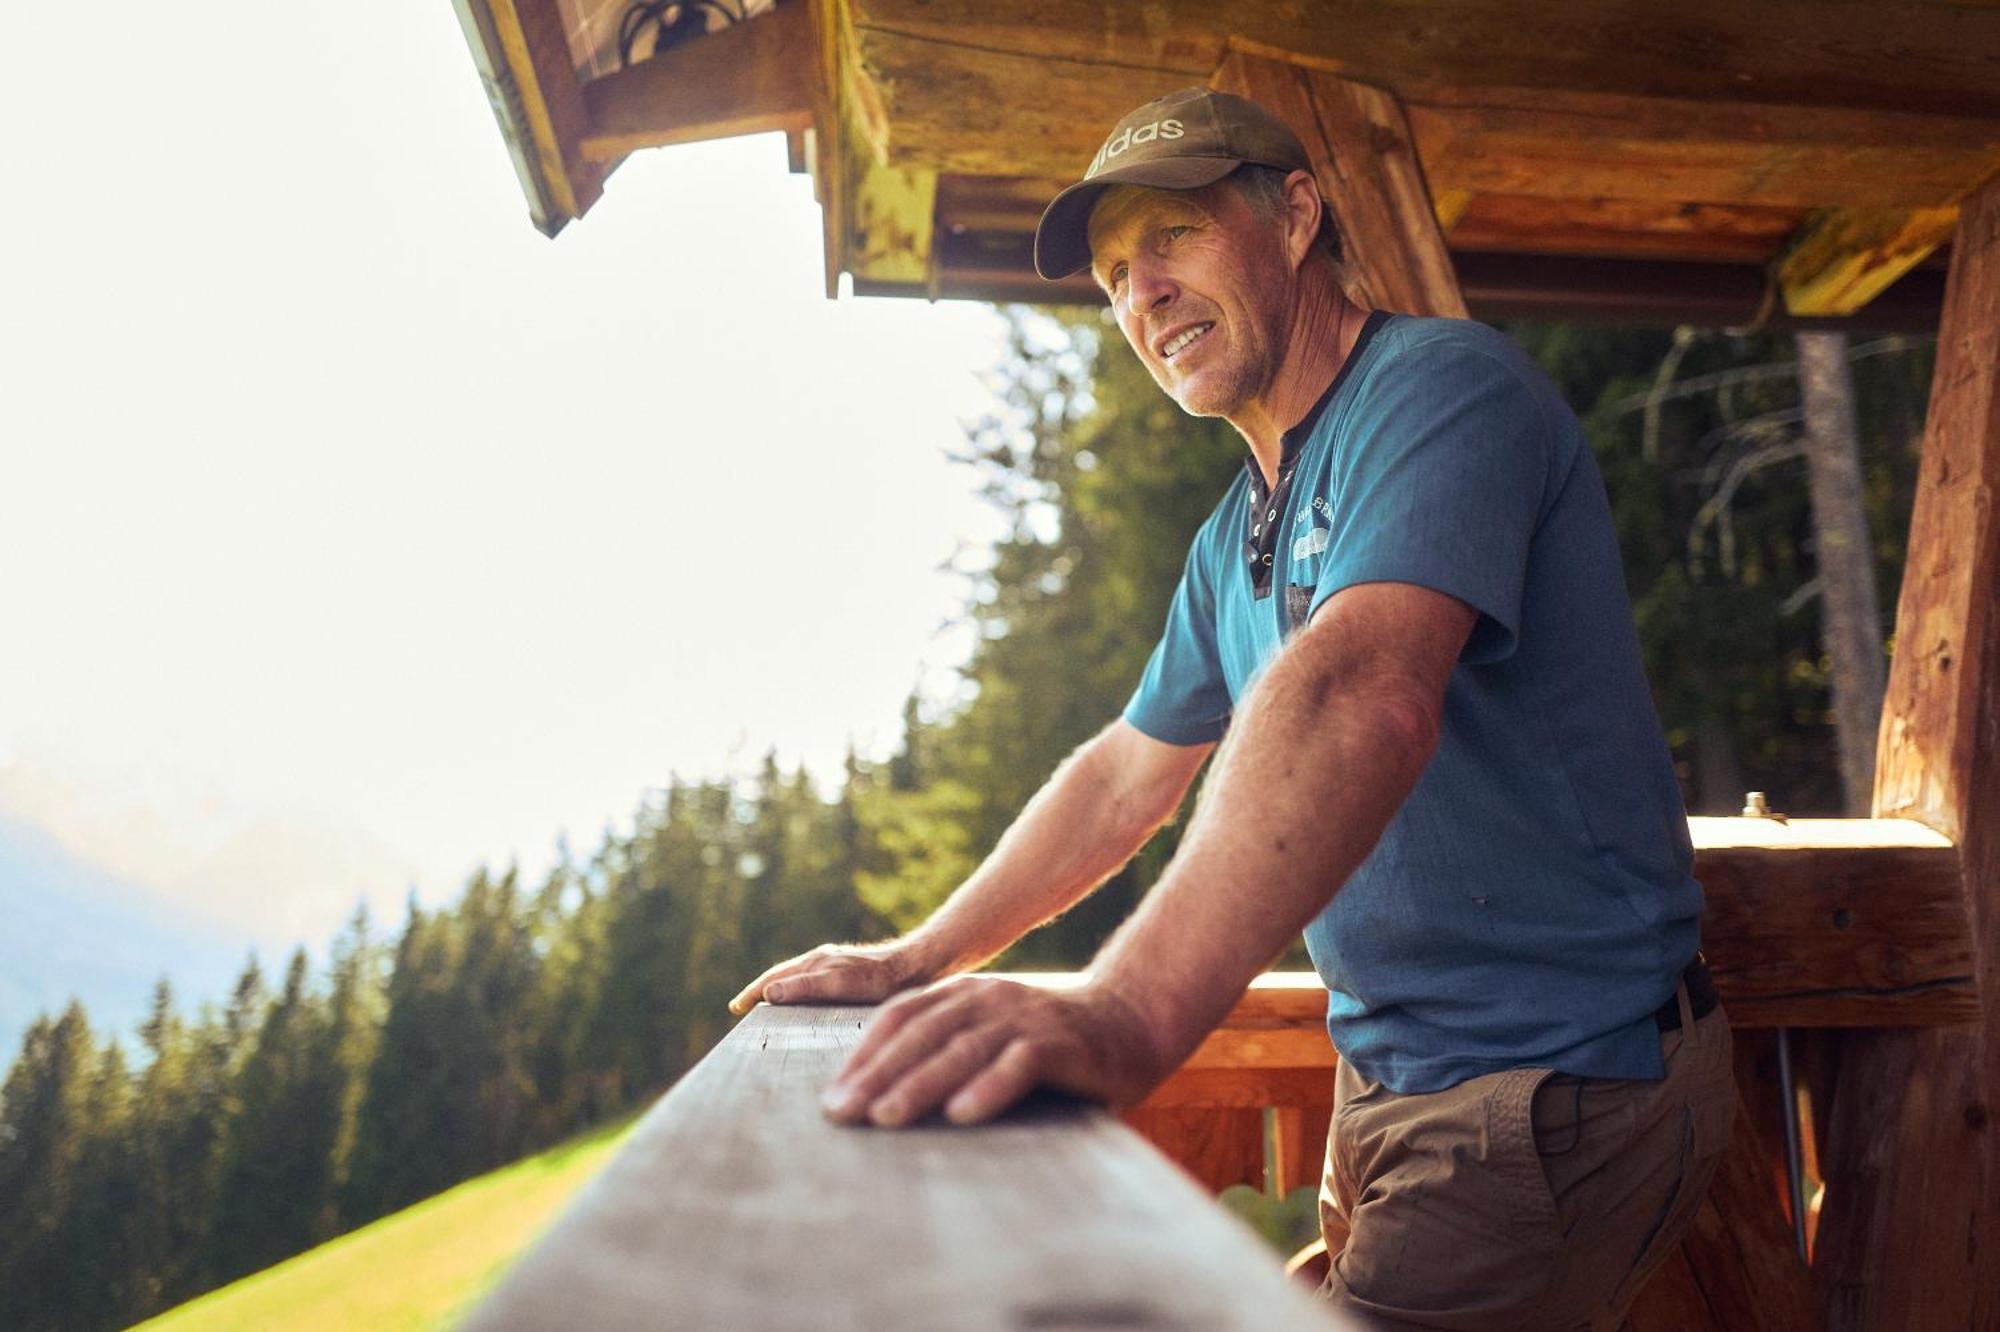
(1532, 902)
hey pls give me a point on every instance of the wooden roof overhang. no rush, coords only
(1718, 163)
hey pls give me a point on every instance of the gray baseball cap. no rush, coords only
(1182, 141)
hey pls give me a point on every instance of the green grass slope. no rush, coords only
(421, 1267)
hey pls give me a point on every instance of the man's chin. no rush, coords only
(1198, 398)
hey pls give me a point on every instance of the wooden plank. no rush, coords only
(890, 223)
(1217, 1148)
(753, 78)
(537, 51)
(1243, 1088)
(1935, 57)
(1298, 1144)
(1627, 228)
(1582, 145)
(1541, 93)
(737, 1205)
(1740, 1249)
(1672, 1301)
(1368, 171)
(1910, 1233)
(1818, 937)
(1844, 258)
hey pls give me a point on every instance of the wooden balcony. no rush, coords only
(737, 1205)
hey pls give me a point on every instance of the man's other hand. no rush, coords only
(837, 974)
(973, 1046)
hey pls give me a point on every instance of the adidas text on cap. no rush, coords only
(1181, 141)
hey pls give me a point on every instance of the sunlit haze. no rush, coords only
(354, 534)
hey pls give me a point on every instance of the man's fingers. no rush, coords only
(838, 978)
(934, 1081)
(903, 1034)
(1003, 1082)
(747, 997)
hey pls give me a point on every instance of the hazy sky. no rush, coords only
(352, 533)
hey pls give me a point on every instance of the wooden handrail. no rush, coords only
(736, 1205)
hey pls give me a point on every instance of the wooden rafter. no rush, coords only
(1893, 55)
(752, 78)
(1368, 171)
(1844, 258)
(1528, 98)
(536, 55)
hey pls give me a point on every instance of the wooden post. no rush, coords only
(1368, 169)
(1298, 1145)
(1910, 1234)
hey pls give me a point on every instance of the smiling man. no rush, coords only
(1406, 626)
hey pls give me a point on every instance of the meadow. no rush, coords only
(422, 1267)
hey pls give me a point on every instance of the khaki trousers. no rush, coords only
(1522, 1199)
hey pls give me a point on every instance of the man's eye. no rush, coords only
(1117, 277)
(1175, 233)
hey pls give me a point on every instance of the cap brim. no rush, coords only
(1062, 237)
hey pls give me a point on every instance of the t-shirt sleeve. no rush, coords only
(1183, 698)
(1442, 487)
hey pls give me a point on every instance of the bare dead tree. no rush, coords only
(1850, 618)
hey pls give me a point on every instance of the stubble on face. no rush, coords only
(1172, 260)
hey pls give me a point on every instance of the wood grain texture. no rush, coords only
(1298, 1144)
(1367, 166)
(1586, 105)
(1845, 257)
(1910, 1234)
(1934, 57)
(1216, 1147)
(753, 78)
(1628, 228)
(1581, 145)
(736, 1205)
(1740, 1250)
(1837, 937)
(531, 34)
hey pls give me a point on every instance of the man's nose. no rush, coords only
(1151, 288)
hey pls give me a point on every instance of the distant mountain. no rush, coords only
(69, 929)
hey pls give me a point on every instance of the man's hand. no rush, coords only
(837, 973)
(973, 1046)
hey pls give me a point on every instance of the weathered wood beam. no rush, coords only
(1367, 166)
(1217, 1147)
(1621, 228)
(752, 78)
(891, 223)
(1910, 1234)
(1500, 100)
(1824, 935)
(1844, 258)
(736, 1204)
(1741, 1264)
(551, 98)
(1893, 55)
(1593, 145)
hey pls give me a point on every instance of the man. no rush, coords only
(1442, 765)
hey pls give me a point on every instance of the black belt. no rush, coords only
(1702, 998)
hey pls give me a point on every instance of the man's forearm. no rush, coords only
(1321, 756)
(1083, 825)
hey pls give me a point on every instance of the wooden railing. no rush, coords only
(736, 1205)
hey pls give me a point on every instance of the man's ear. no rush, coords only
(1302, 215)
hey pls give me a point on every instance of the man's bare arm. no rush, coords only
(1103, 804)
(1323, 753)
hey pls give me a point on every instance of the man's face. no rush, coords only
(1201, 287)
